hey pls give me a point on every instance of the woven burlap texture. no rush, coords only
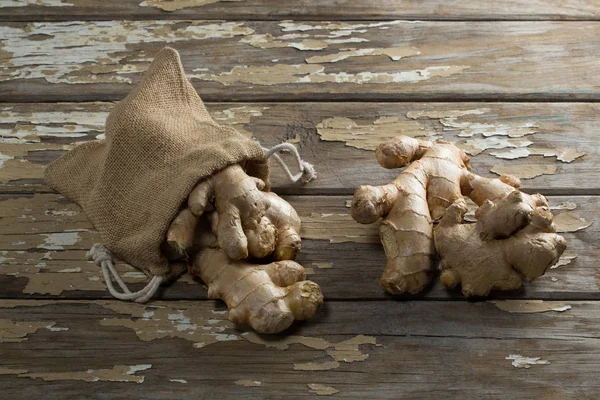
(160, 141)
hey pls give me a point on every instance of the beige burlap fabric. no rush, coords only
(160, 141)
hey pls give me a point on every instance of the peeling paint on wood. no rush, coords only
(315, 366)
(57, 241)
(530, 306)
(314, 73)
(172, 320)
(477, 146)
(106, 58)
(322, 390)
(248, 383)
(394, 53)
(525, 171)
(368, 136)
(570, 222)
(566, 155)
(11, 371)
(565, 205)
(519, 361)
(565, 259)
(347, 351)
(119, 373)
(27, 3)
(17, 331)
(297, 41)
(174, 5)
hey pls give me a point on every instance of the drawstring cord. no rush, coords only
(105, 260)
(307, 170)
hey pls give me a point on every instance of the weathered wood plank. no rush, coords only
(375, 350)
(53, 10)
(293, 61)
(339, 138)
(44, 238)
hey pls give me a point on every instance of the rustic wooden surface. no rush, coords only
(293, 61)
(514, 83)
(52, 10)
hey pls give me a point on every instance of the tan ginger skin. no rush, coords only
(267, 297)
(482, 258)
(245, 222)
(436, 176)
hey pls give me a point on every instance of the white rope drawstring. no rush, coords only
(307, 170)
(104, 258)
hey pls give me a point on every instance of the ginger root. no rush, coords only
(438, 174)
(228, 218)
(481, 257)
(267, 297)
(248, 221)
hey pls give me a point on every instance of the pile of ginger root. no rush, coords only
(423, 209)
(230, 219)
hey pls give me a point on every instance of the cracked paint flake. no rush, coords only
(174, 5)
(347, 351)
(268, 41)
(322, 390)
(248, 383)
(477, 146)
(43, 3)
(53, 328)
(339, 28)
(31, 127)
(519, 361)
(314, 73)
(323, 265)
(103, 54)
(562, 154)
(238, 117)
(565, 259)
(453, 119)
(530, 306)
(13, 166)
(57, 241)
(183, 320)
(17, 331)
(119, 373)
(525, 171)
(316, 366)
(570, 222)
(368, 136)
(565, 205)
(11, 371)
(394, 53)
(338, 228)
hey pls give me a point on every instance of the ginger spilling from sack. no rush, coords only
(228, 219)
(513, 239)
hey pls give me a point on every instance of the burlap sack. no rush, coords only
(160, 141)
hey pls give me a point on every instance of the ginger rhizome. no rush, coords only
(267, 297)
(508, 243)
(437, 175)
(229, 218)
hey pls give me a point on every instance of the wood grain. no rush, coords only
(338, 138)
(296, 61)
(53, 10)
(44, 238)
(418, 349)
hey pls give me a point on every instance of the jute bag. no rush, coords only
(160, 142)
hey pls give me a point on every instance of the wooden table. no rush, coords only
(517, 83)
